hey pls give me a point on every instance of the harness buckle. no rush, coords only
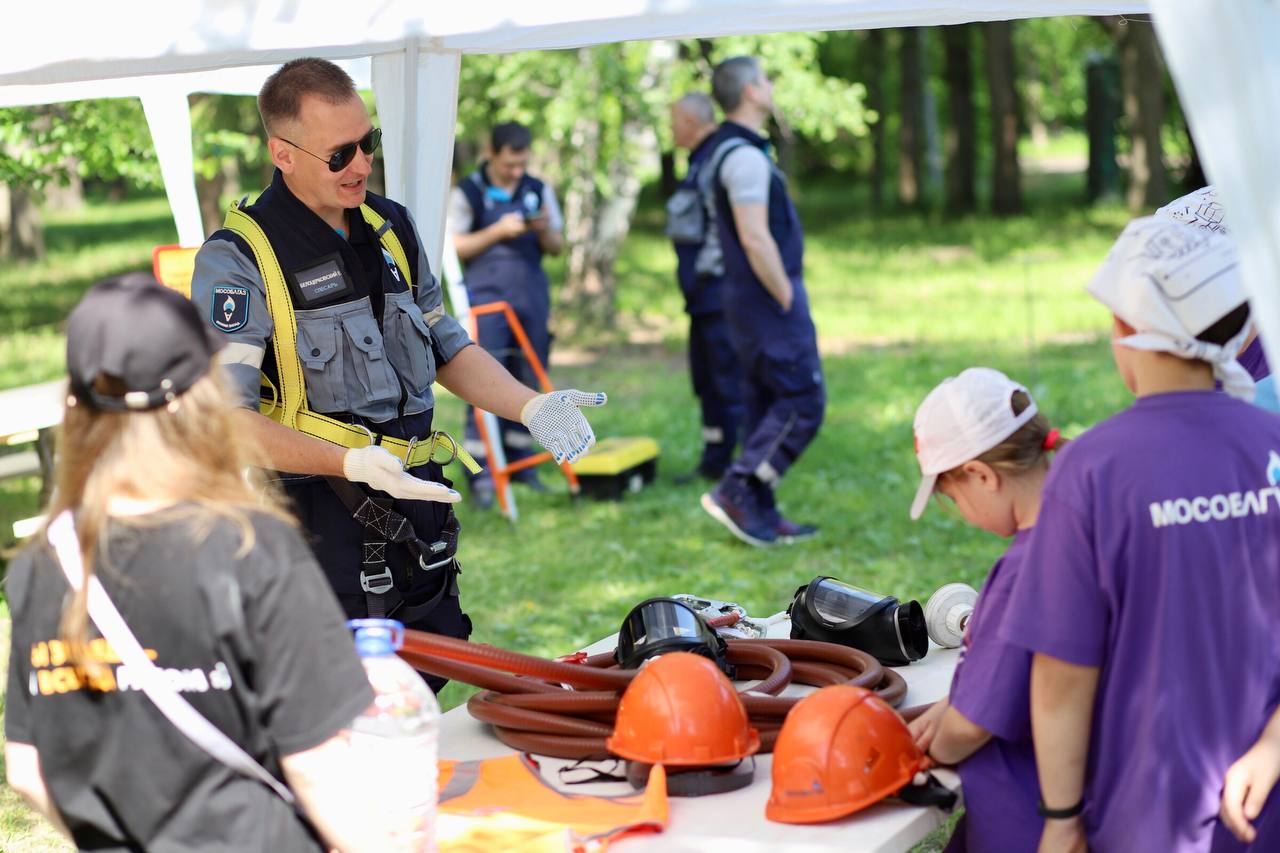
(408, 452)
(373, 439)
(377, 584)
(436, 548)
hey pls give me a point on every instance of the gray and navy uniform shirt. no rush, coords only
(369, 346)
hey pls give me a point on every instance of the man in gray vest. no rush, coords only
(335, 333)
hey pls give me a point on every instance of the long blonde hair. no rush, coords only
(187, 454)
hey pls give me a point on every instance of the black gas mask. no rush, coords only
(662, 625)
(827, 609)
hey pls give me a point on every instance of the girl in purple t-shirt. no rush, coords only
(982, 444)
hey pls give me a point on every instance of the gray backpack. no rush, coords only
(691, 213)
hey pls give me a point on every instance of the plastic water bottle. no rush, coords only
(399, 730)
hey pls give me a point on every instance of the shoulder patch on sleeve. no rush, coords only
(230, 309)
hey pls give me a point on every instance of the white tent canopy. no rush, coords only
(1224, 57)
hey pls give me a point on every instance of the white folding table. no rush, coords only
(735, 821)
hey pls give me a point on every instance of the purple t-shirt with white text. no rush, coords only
(1156, 558)
(991, 688)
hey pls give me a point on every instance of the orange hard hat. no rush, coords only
(840, 749)
(682, 711)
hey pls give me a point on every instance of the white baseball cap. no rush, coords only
(962, 419)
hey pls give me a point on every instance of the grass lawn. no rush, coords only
(900, 302)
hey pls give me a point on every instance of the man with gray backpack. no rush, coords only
(766, 311)
(713, 366)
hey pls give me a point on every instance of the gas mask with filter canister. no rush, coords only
(836, 612)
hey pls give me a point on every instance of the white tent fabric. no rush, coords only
(1225, 60)
(163, 47)
(95, 40)
(164, 100)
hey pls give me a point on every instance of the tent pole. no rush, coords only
(169, 119)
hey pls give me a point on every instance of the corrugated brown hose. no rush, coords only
(567, 709)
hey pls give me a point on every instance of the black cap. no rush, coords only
(146, 335)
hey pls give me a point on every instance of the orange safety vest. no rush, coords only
(504, 804)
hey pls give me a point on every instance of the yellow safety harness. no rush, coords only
(287, 404)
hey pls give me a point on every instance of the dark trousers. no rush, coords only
(496, 336)
(337, 540)
(717, 382)
(785, 401)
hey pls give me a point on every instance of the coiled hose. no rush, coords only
(567, 709)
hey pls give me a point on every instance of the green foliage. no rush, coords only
(1052, 53)
(226, 132)
(105, 140)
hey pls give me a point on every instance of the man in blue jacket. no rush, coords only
(767, 311)
(502, 221)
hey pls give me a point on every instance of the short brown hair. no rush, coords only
(280, 99)
(1025, 449)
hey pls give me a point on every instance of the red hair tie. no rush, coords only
(1051, 440)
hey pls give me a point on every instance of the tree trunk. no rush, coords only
(26, 230)
(1102, 108)
(596, 224)
(1006, 188)
(1142, 81)
(962, 144)
(669, 181)
(911, 129)
(210, 191)
(875, 101)
(1194, 178)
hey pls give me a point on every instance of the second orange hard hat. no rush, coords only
(841, 749)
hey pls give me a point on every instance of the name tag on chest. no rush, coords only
(321, 282)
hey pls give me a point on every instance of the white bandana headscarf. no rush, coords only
(1200, 208)
(1170, 281)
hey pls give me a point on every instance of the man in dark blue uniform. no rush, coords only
(767, 311)
(335, 333)
(502, 220)
(713, 366)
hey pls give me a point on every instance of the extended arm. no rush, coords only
(550, 223)
(22, 769)
(337, 786)
(1062, 697)
(752, 221)
(957, 738)
(478, 378)
(472, 243)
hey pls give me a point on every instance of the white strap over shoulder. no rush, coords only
(109, 622)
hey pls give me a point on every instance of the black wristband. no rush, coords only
(1059, 814)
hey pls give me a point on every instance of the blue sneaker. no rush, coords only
(789, 531)
(737, 509)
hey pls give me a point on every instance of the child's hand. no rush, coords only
(1247, 784)
(924, 727)
(1063, 836)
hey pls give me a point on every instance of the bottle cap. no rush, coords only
(377, 637)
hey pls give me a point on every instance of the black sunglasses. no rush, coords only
(338, 160)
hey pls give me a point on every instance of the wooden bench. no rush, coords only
(28, 415)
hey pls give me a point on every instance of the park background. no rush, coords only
(958, 186)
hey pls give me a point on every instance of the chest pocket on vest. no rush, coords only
(343, 360)
(408, 340)
(686, 217)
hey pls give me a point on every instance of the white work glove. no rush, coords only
(377, 467)
(554, 420)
